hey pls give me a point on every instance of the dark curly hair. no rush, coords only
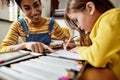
(19, 2)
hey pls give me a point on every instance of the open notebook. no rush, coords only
(60, 65)
(66, 54)
(11, 57)
(19, 55)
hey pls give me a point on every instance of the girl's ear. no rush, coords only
(90, 7)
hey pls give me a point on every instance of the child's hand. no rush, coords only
(69, 45)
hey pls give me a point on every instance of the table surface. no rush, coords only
(92, 73)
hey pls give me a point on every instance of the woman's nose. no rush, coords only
(34, 11)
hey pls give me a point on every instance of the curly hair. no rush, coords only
(19, 2)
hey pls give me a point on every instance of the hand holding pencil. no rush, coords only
(70, 43)
(66, 45)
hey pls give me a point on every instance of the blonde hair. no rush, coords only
(100, 5)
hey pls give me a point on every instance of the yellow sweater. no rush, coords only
(16, 31)
(105, 37)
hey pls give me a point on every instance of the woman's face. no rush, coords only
(32, 9)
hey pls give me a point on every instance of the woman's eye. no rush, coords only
(27, 8)
(37, 5)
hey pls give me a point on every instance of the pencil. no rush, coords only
(74, 37)
(71, 38)
(65, 46)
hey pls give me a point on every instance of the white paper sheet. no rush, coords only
(67, 54)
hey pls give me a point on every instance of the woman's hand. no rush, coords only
(37, 47)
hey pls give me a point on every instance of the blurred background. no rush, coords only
(51, 8)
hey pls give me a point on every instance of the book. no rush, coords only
(49, 68)
(6, 57)
(55, 66)
(10, 74)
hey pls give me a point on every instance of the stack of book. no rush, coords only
(59, 13)
(61, 65)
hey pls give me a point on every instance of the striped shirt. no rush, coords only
(16, 31)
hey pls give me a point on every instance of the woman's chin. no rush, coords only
(36, 20)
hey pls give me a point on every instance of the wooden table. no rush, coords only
(92, 73)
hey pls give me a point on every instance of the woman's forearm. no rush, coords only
(17, 47)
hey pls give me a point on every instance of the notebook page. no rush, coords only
(66, 54)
